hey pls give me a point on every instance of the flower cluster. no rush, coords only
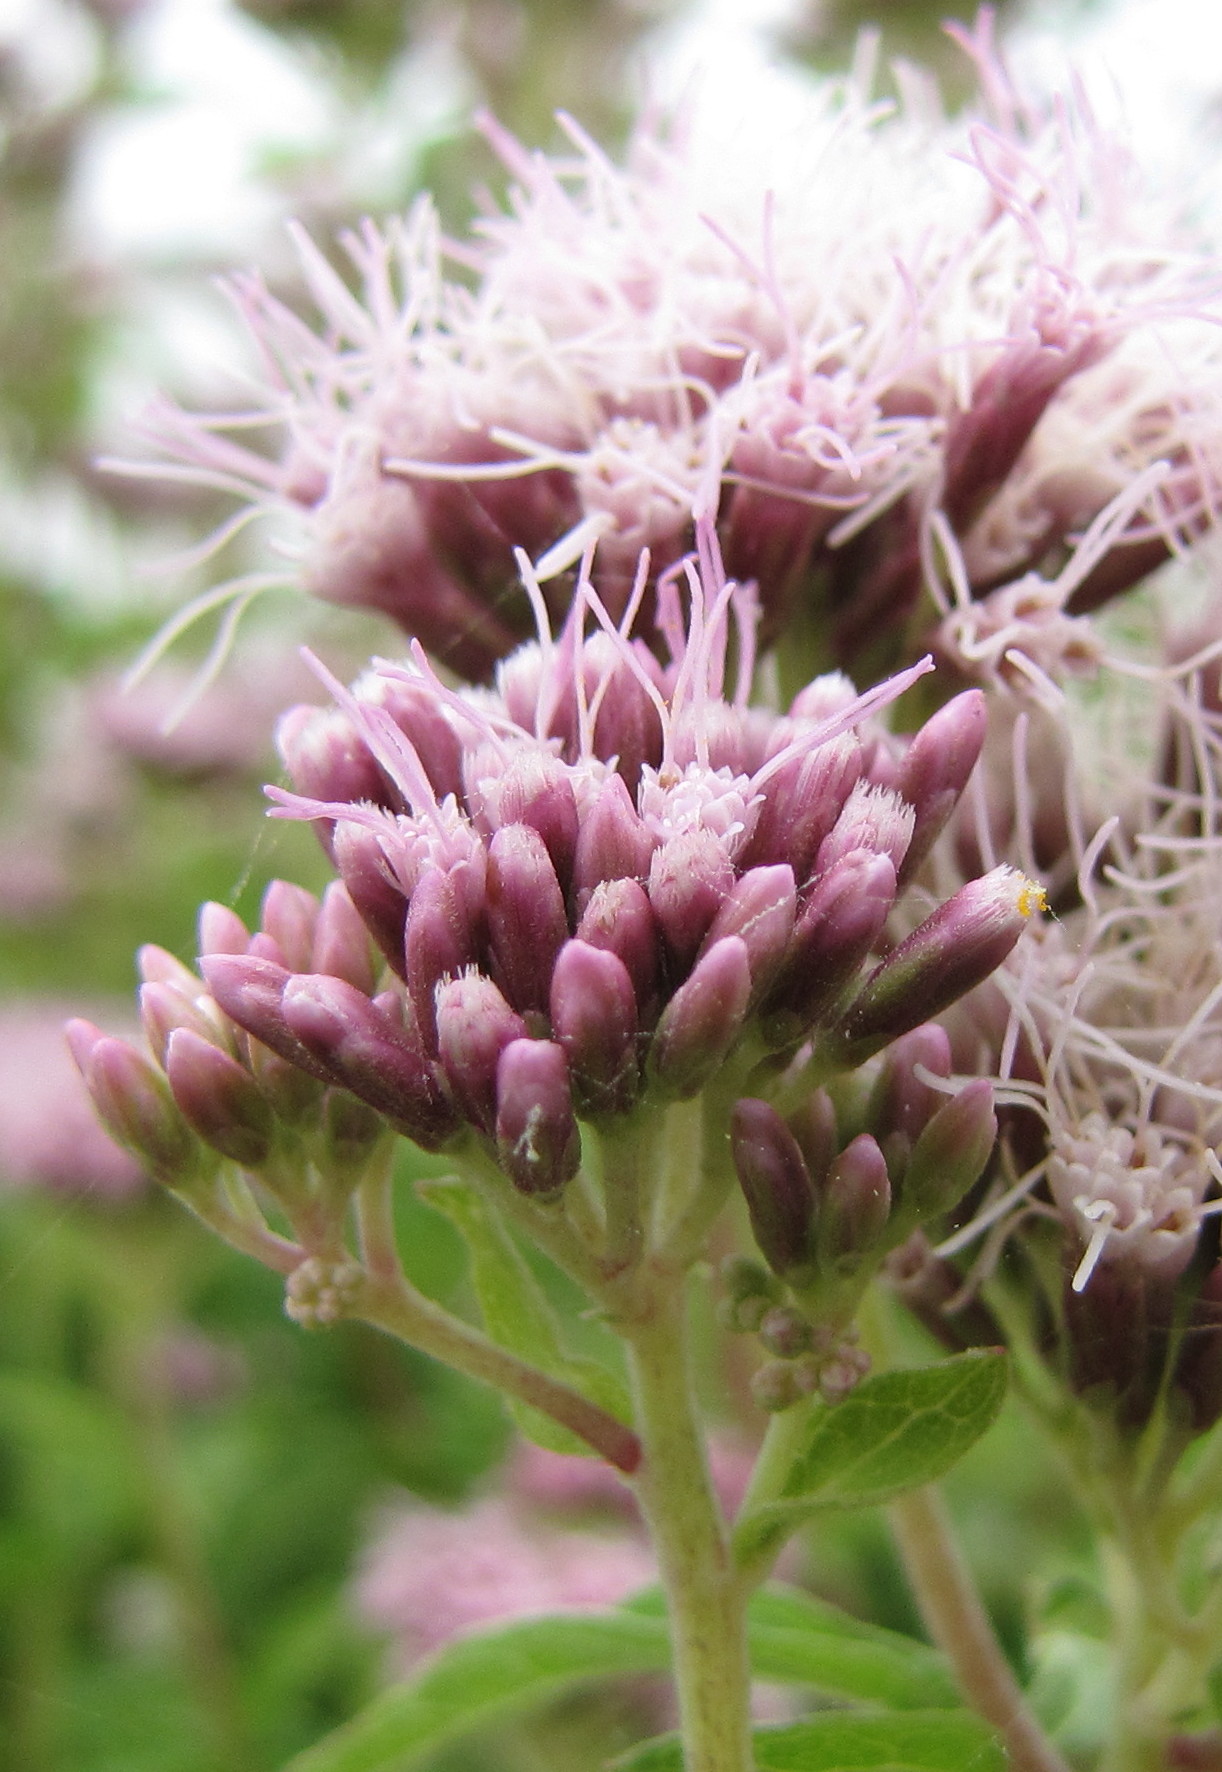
(994, 407)
(603, 879)
(1105, 1034)
(603, 887)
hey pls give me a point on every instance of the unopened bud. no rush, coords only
(949, 1157)
(341, 941)
(901, 1103)
(439, 942)
(761, 909)
(702, 1020)
(319, 1293)
(164, 1007)
(935, 770)
(690, 876)
(537, 1140)
(776, 1387)
(527, 925)
(620, 919)
(221, 931)
(536, 790)
(854, 1204)
(474, 1026)
(219, 1099)
(785, 1332)
(251, 992)
(775, 1183)
(952, 951)
(614, 842)
(593, 1013)
(288, 915)
(379, 900)
(836, 929)
(371, 1053)
(134, 1103)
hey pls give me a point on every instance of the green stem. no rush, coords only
(958, 1623)
(756, 1546)
(388, 1302)
(706, 1603)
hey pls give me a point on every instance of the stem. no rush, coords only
(706, 1603)
(756, 1547)
(390, 1303)
(958, 1623)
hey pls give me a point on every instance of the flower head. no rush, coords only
(1004, 376)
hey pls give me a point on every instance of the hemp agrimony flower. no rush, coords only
(702, 935)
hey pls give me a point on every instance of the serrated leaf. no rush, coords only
(914, 1741)
(518, 1316)
(480, 1679)
(798, 1640)
(895, 1432)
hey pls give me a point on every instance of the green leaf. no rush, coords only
(916, 1741)
(798, 1640)
(895, 1432)
(518, 1316)
(479, 1679)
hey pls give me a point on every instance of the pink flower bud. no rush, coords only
(775, 1184)
(251, 991)
(221, 931)
(761, 908)
(613, 842)
(263, 946)
(439, 943)
(901, 1104)
(804, 799)
(854, 1205)
(474, 1026)
(537, 1140)
(163, 1008)
(536, 790)
(372, 1054)
(158, 967)
(689, 877)
(935, 771)
(836, 928)
(814, 1126)
(415, 711)
(702, 1020)
(874, 819)
(134, 1103)
(289, 914)
(593, 1014)
(341, 941)
(952, 951)
(526, 919)
(219, 1099)
(379, 902)
(328, 760)
(620, 919)
(949, 1157)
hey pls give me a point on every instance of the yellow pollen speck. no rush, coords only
(1031, 897)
